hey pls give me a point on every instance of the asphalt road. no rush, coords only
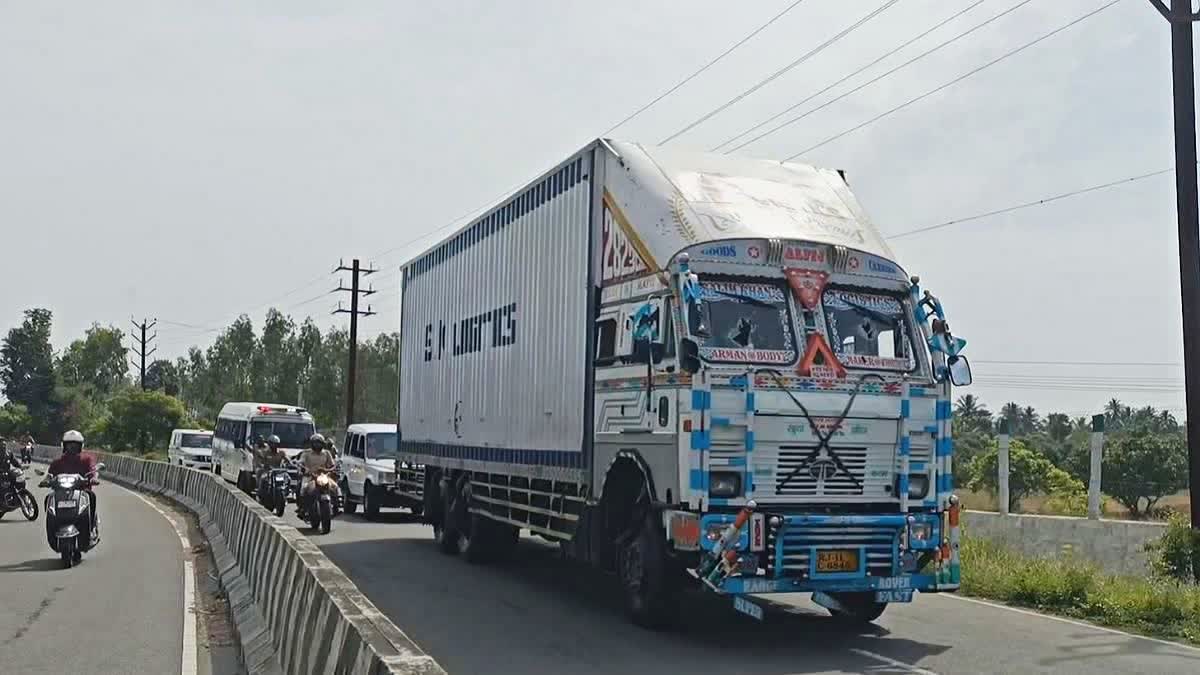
(119, 611)
(540, 614)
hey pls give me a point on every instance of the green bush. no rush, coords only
(1176, 555)
(1029, 472)
(1074, 588)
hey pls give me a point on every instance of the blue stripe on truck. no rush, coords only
(565, 458)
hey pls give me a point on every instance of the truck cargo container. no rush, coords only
(686, 368)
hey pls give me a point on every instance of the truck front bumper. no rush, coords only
(891, 555)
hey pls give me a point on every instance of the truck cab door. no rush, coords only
(356, 469)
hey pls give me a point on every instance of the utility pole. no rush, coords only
(1183, 87)
(355, 291)
(142, 342)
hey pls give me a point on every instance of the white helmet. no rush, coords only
(72, 436)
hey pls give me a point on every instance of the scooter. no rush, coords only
(69, 515)
(15, 496)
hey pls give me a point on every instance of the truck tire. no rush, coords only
(651, 589)
(476, 539)
(445, 534)
(861, 607)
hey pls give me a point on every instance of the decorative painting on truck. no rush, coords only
(620, 257)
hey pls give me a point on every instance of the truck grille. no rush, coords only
(804, 484)
(877, 543)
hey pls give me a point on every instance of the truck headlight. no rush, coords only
(724, 484)
(920, 531)
(385, 477)
(918, 485)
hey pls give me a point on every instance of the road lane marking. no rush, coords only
(188, 661)
(906, 667)
(1073, 622)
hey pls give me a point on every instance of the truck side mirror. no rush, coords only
(689, 356)
(960, 370)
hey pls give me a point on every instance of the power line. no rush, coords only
(770, 78)
(1078, 363)
(1026, 205)
(792, 107)
(703, 68)
(956, 80)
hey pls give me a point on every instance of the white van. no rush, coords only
(372, 473)
(191, 448)
(240, 424)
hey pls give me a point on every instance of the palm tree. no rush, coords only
(1031, 422)
(971, 414)
(1058, 426)
(1116, 414)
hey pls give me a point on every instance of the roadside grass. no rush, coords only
(1076, 589)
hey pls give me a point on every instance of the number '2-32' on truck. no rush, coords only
(686, 368)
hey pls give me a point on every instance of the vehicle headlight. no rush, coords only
(920, 531)
(724, 484)
(386, 477)
(918, 485)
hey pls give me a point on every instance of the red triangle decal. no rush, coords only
(829, 366)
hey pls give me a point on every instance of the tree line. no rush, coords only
(88, 385)
(1145, 454)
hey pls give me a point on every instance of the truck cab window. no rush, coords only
(606, 339)
(868, 330)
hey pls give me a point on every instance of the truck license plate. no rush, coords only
(837, 560)
(893, 596)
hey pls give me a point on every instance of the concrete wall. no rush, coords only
(1115, 545)
(294, 610)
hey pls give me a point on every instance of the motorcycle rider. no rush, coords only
(75, 460)
(313, 459)
(268, 456)
(10, 466)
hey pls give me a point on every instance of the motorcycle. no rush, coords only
(15, 496)
(27, 454)
(278, 485)
(324, 503)
(68, 515)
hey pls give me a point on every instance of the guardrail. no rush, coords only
(295, 611)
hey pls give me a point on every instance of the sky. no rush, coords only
(193, 161)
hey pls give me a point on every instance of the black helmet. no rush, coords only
(273, 441)
(316, 442)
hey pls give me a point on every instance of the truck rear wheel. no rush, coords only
(859, 607)
(651, 590)
(445, 534)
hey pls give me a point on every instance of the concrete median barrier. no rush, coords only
(294, 610)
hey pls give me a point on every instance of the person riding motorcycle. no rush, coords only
(75, 460)
(268, 456)
(314, 459)
(10, 466)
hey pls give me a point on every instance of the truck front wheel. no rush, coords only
(651, 590)
(859, 607)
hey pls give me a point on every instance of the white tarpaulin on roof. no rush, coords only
(710, 197)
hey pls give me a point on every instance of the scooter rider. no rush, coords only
(75, 460)
(312, 460)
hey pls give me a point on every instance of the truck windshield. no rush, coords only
(291, 434)
(382, 446)
(195, 441)
(868, 330)
(747, 323)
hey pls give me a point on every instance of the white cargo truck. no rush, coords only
(686, 368)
